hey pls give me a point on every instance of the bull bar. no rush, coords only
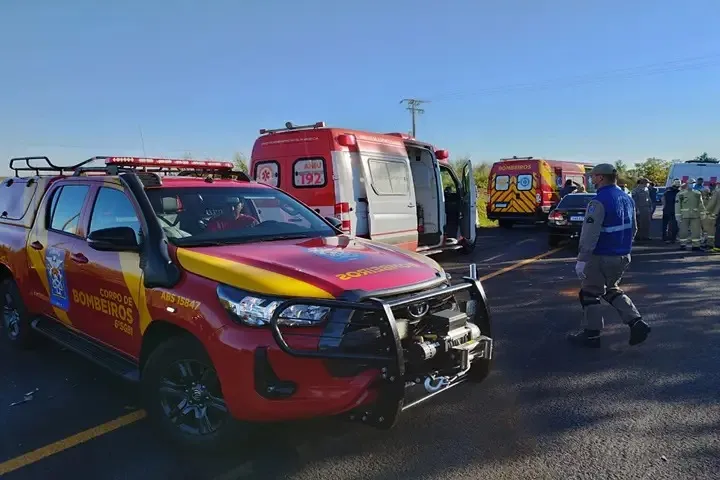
(393, 394)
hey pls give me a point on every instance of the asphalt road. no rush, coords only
(547, 411)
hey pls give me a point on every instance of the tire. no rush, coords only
(467, 247)
(15, 324)
(554, 240)
(481, 368)
(506, 223)
(164, 370)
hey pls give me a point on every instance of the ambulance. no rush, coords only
(525, 189)
(387, 187)
(693, 169)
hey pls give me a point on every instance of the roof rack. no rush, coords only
(27, 166)
(515, 158)
(289, 126)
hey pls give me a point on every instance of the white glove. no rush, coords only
(580, 270)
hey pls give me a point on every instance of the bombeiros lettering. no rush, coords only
(362, 272)
(116, 305)
(505, 168)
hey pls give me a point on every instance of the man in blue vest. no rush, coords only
(604, 255)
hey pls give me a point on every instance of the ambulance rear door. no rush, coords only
(469, 211)
(392, 210)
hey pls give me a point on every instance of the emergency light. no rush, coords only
(169, 162)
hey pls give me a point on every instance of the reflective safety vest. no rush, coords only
(617, 227)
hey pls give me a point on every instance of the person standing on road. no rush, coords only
(712, 209)
(567, 189)
(603, 257)
(669, 222)
(641, 197)
(689, 209)
(653, 198)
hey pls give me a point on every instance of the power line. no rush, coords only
(691, 63)
(413, 106)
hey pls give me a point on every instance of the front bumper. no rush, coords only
(404, 372)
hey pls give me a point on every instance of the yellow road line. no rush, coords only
(100, 430)
(519, 264)
(69, 442)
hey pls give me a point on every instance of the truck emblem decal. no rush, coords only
(55, 267)
(336, 254)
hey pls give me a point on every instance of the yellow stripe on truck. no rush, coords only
(247, 277)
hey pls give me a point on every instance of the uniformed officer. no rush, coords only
(689, 208)
(712, 209)
(641, 196)
(604, 255)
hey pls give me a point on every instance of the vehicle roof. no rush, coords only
(396, 138)
(197, 182)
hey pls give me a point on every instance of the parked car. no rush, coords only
(566, 218)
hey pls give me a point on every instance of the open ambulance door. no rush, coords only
(392, 210)
(469, 213)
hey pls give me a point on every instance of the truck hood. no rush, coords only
(322, 267)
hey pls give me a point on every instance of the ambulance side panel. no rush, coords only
(709, 172)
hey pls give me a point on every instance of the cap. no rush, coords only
(603, 169)
(643, 180)
(676, 182)
(690, 180)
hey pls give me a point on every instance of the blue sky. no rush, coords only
(81, 78)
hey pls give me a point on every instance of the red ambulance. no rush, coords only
(387, 187)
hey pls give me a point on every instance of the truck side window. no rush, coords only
(66, 207)
(113, 209)
(388, 177)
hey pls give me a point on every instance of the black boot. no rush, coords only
(639, 331)
(586, 338)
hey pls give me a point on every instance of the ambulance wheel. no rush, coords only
(184, 398)
(15, 324)
(469, 247)
(506, 223)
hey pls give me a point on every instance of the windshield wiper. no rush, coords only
(282, 237)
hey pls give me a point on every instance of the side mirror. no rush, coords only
(334, 222)
(116, 239)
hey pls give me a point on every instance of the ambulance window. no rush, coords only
(502, 182)
(388, 178)
(524, 182)
(268, 173)
(309, 172)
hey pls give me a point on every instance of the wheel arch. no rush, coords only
(158, 332)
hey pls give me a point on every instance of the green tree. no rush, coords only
(705, 158)
(240, 162)
(654, 169)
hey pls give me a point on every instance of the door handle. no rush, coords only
(78, 258)
(36, 245)
(411, 205)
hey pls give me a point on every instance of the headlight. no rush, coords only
(256, 311)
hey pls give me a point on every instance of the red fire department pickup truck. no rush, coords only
(229, 301)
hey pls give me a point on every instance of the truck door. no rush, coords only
(53, 244)
(469, 211)
(392, 212)
(108, 284)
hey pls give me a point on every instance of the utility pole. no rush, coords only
(413, 106)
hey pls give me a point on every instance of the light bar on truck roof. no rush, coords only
(169, 163)
(289, 126)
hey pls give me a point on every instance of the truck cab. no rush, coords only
(386, 187)
(230, 302)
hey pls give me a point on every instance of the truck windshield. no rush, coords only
(233, 215)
